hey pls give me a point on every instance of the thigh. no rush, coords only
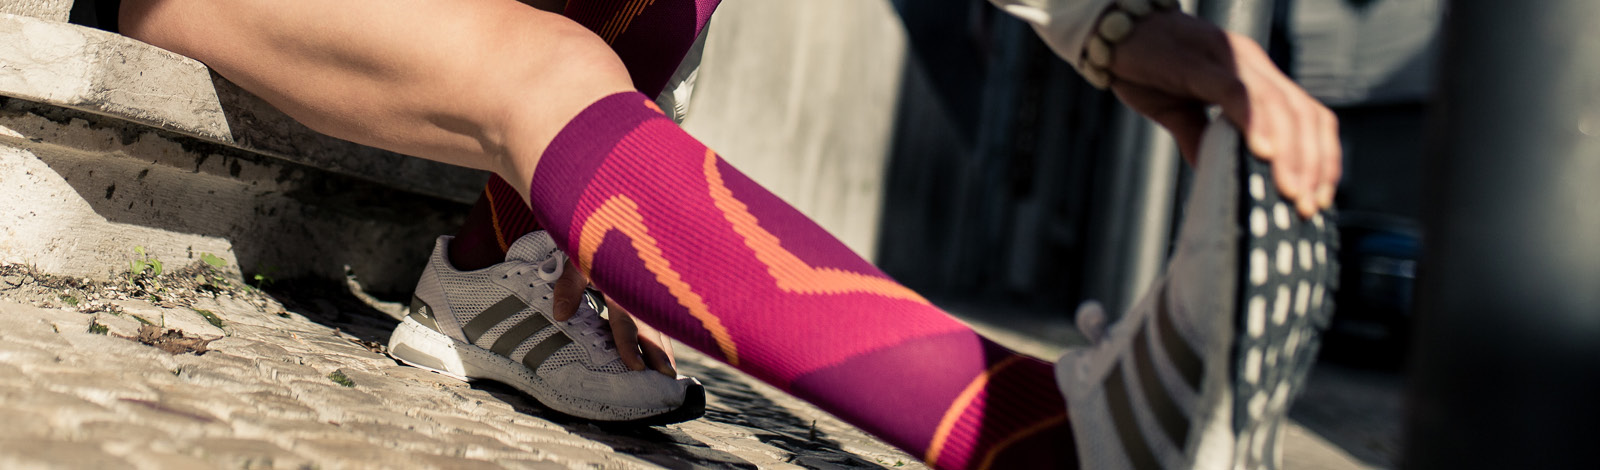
(431, 78)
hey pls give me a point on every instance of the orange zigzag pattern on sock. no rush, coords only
(621, 213)
(792, 273)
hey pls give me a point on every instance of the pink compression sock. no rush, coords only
(687, 243)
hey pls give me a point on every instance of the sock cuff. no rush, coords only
(577, 151)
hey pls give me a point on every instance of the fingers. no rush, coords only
(657, 356)
(640, 346)
(1291, 129)
(1333, 165)
(626, 335)
(651, 335)
(568, 293)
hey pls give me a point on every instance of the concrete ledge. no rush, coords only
(83, 190)
(107, 143)
(54, 10)
(108, 74)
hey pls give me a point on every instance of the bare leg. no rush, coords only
(479, 83)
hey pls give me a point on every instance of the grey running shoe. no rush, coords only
(1201, 372)
(495, 324)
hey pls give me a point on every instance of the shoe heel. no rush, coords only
(423, 348)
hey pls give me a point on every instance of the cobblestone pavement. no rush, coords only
(303, 383)
(301, 386)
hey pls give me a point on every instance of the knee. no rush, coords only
(570, 69)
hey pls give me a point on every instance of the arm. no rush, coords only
(1172, 66)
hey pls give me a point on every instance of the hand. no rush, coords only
(649, 350)
(1173, 65)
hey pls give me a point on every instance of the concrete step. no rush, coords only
(107, 143)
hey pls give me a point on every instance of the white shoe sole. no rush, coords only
(424, 348)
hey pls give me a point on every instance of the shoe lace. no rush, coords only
(595, 330)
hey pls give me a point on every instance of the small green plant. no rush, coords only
(143, 274)
(69, 300)
(96, 328)
(213, 261)
(141, 319)
(211, 318)
(338, 377)
(144, 263)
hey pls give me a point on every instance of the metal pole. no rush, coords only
(1506, 360)
(1251, 18)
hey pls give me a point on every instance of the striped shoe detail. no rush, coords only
(529, 326)
(1154, 395)
(492, 316)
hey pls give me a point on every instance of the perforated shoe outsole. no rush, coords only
(1285, 301)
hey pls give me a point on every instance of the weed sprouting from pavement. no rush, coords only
(211, 318)
(338, 377)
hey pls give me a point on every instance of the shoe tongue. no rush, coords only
(533, 247)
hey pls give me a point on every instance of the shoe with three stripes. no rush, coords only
(1200, 373)
(495, 324)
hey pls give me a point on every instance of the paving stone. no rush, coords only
(13, 354)
(65, 411)
(119, 438)
(482, 446)
(285, 372)
(146, 459)
(392, 437)
(422, 376)
(331, 399)
(538, 434)
(279, 405)
(517, 464)
(386, 416)
(354, 454)
(46, 453)
(119, 325)
(246, 454)
(248, 348)
(182, 319)
(218, 404)
(453, 463)
(23, 423)
(377, 384)
(183, 421)
(444, 425)
(287, 432)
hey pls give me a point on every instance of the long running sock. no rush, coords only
(651, 37)
(694, 247)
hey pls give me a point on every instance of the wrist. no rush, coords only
(1114, 25)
